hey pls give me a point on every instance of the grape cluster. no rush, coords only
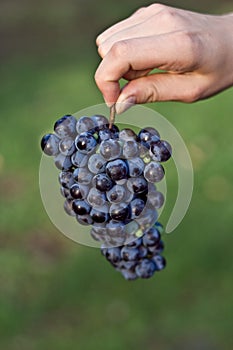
(108, 179)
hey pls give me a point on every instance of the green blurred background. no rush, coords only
(56, 294)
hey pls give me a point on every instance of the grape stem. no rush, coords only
(112, 116)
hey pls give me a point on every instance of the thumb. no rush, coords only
(162, 87)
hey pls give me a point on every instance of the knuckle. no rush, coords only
(169, 15)
(195, 94)
(156, 7)
(120, 48)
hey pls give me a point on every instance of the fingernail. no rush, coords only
(125, 104)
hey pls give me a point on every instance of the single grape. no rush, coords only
(79, 191)
(115, 228)
(143, 252)
(83, 176)
(160, 262)
(85, 143)
(66, 146)
(50, 144)
(156, 249)
(85, 124)
(63, 162)
(129, 253)
(145, 268)
(136, 167)
(99, 215)
(96, 163)
(112, 254)
(102, 182)
(137, 185)
(68, 207)
(147, 135)
(66, 126)
(117, 169)
(96, 198)
(136, 207)
(65, 192)
(110, 149)
(151, 237)
(106, 134)
(155, 199)
(84, 219)
(154, 172)
(130, 149)
(127, 134)
(160, 151)
(79, 159)
(116, 194)
(66, 179)
(81, 207)
(119, 212)
(100, 121)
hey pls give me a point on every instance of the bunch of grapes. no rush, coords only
(108, 179)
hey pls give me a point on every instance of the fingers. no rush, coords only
(172, 52)
(137, 17)
(162, 87)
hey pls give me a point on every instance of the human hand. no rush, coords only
(194, 51)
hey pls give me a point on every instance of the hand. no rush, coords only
(194, 51)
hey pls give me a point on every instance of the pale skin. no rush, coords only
(193, 50)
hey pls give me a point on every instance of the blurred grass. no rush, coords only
(56, 294)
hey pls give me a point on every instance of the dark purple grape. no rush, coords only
(63, 162)
(99, 215)
(85, 143)
(84, 219)
(50, 144)
(154, 172)
(110, 149)
(66, 179)
(136, 207)
(79, 160)
(66, 126)
(68, 207)
(147, 135)
(106, 134)
(145, 268)
(160, 262)
(102, 182)
(117, 169)
(129, 253)
(83, 176)
(81, 207)
(119, 212)
(127, 134)
(151, 237)
(136, 167)
(160, 151)
(78, 191)
(66, 146)
(137, 185)
(85, 124)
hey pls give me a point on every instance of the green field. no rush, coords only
(57, 294)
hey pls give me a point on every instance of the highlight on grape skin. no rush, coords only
(108, 181)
